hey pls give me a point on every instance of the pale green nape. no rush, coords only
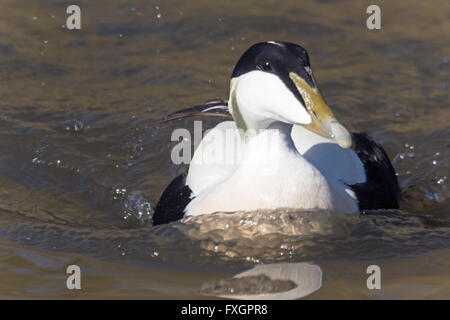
(237, 116)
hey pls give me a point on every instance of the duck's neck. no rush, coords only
(270, 146)
(247, 119)
(277, 132)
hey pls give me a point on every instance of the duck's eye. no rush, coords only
(265, 66)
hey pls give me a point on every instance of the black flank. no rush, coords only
(381, 190)
(173, 201)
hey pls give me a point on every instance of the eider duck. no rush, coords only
(289, 150)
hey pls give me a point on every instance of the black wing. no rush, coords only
(173, 201)
(381, 190)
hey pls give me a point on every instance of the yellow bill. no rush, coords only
(323, 121)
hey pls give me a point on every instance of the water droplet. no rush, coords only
(159, 15)
(434, 162)
(432, 196)
(73, 125)
(138, 207)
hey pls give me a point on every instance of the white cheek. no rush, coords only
(265, 94)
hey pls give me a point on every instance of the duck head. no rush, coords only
(273, 82)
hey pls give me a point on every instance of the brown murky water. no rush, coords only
(82, 165)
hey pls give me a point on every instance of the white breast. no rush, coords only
(264, 179)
